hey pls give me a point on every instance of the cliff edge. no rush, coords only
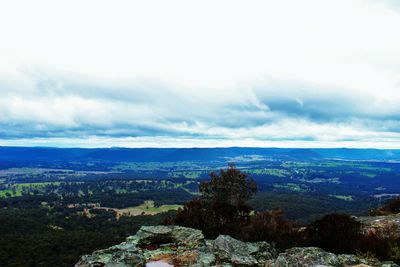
(166, 246)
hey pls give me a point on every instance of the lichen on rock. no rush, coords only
(316, 257)
(181, 246)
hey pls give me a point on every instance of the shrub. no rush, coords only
(337, 233)
(392, 206)
(213, 219)
(383, 242)
(373, 243)
(394, 252)
(271, 226)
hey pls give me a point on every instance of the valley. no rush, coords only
(74, 201)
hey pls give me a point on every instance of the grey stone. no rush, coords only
(241, 253)
(159, 235)
(181, 246)
(316, 257)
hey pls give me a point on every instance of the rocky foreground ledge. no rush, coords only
(165, 246)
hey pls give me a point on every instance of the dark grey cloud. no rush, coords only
(61, 105)
(326, 104)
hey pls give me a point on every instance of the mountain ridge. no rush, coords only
(195, 154)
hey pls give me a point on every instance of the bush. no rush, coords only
(384, 243)
(271, 226)
(213, 219)
(337, 233)
(392, 206)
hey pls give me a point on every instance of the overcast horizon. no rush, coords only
(200, 73)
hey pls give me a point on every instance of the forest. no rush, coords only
(66, 203)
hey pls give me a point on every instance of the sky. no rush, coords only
(208, 73)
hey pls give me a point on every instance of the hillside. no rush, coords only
(43, 154)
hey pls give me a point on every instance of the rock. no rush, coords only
(158, 235)
(316, 257)
(122, 255)
(241, 253)
(384, 225)
(179, 246)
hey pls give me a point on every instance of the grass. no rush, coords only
(8, 192)
(345, 198)
(16, 190)
(368, 174)
(148, 208)
(321, 180)
(186, 174)
(291, 187)
(335, 164)
(272, 172)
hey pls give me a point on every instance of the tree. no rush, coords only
(230, 186)
(221, 207)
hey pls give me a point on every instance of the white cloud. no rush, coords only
(323, 71)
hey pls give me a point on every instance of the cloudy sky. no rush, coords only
(309, 73)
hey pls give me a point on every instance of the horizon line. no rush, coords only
(195, 147)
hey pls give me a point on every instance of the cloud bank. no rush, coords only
(224, 73)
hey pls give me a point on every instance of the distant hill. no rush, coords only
(34, 154)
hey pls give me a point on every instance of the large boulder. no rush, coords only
(382, 225)
(158, 235)
(228, 249)
(122, 255)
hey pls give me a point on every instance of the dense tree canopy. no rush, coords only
(222, 205)
(230, 186)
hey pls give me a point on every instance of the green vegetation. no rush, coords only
(148, 208)
(10, 193)
(338, 233)
(187, 174)
(392, 206)
(307, 207)
(221, 207)
(273, 172)
(368, 174)
(334, 164)
(345, 198)
(322, 180)
(292, 187)
(43, 207)
(58, 236)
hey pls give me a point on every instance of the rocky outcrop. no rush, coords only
(386, 225)
(316, 257)
(158, 235)
(165, 246)
(179, 246)
(238, 253)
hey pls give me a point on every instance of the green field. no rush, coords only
(272, 172)
(15, 190)
(147, 208)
